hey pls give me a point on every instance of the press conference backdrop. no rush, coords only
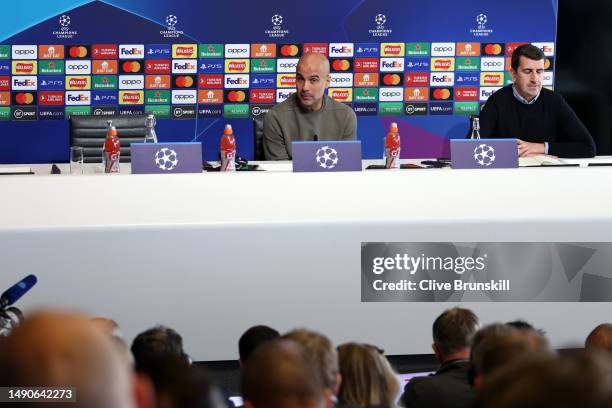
(197, 65)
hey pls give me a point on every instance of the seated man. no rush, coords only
(541, 119)
(308, 114)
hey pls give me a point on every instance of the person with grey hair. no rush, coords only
(449, 386)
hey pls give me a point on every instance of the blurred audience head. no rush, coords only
(159, 340)
(177, 383)
(497, 345)
(281, 374)
(324, 354)
(58, 349)
(580, 380)
(367, 377)
(252, 338)
(453, 331)
(600, 338)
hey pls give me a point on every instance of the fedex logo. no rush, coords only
(180, 66)
(24, 83)
(263, 81)
(367, 50)
(487, 91)
(236, 81)
(341, 50)
(391, 64)
(78, 97)
(131, 51)
(283, 94)
(210, 66)
(548, 48)
(442, 79)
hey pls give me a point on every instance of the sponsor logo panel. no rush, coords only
(158, 67)
(392, 49)
(77, 111)
(263, 81)
(493, 49)
(418, 49)
(443, 64)
(236, 110)
(259, 110)
(492, 63)
(131, 81)
(78, 98)
(487, 91)
(265, 65)
(131, 97)
(341, 49)
(365, 109)
(24, 98)
(365, 80)
(5, 113)
(263, 50)
(50, 83)
(51, 67)
(25, 68)
(392, 64)
(51, 98)
(466, 93)
(24, 52)
(441, 94)
(491, 78)
(158, 51)
(237, 50)
(105, 82)
(468, 49)
(131, 51)
(102, 98)
(78, 67)
(211, 111)
(263, 96)
(24, 83)
(184, 50)
(416, 78)
(210, 81)
(131, 67)
(25, 113)
(341, 94)
(237, 96)
(366, 64)
(157, 97)
(184, 66)
(290, 50)
(443, 49)
(210, 51)
(160, 111)
(365, 95)
(441, 108)
(341, 64)
(237, 80)
(184, 97)
(107, 111)
(417, 64)
(5, 98)
(320, 48)
(340, 80)
(390, 108)
(283, 94)
(104, 51)
(184, 81)
(285, 81)
(51, 52)
(210, 66)
(442, 79)
(416, 94)
(78, 51)
(51, 113)
(237, 66)
(391, 94)
(415, 109)
(466, 108)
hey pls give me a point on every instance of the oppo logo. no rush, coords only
(390, 93)
(24, 52)
(131, 81)
(236, 50)
(288, 65)
(78, 67)
(492, 64)
(442, 49)
(340, 80)
(184, 97)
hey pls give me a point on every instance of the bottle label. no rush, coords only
(111, 162)
(392, 158)
(227, 160)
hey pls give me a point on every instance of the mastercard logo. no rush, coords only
(77, 52)
(24, 98)
(441, 93)
(547, 63)
(289, 50)
(183, 81)
(341, 65)
(392, 79)
(493, 49)
(131, 66)
(236, 96)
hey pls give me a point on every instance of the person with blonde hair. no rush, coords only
(367, 377)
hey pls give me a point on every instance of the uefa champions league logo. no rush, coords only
(277, 20)
(380, 20)
(171, 31)
(481, 19)
(171, 21)
(65, 31)
(326, 157)
(484, 154)
(166, 159)
(64, 20)
(277, 29)
(481, 30)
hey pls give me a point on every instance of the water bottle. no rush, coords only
(392, 148)
(475, 128)
(111, 151)
(150, 135)
(228, 149)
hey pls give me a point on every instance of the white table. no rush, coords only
(211, 254)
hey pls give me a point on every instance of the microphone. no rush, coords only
(12, 294)
(316, 137)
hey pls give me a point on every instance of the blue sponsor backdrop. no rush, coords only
(363, 24)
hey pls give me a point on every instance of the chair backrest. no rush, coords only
(258, 138)
(89, 131)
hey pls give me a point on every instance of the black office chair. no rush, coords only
(88, 132)
(258, 138)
